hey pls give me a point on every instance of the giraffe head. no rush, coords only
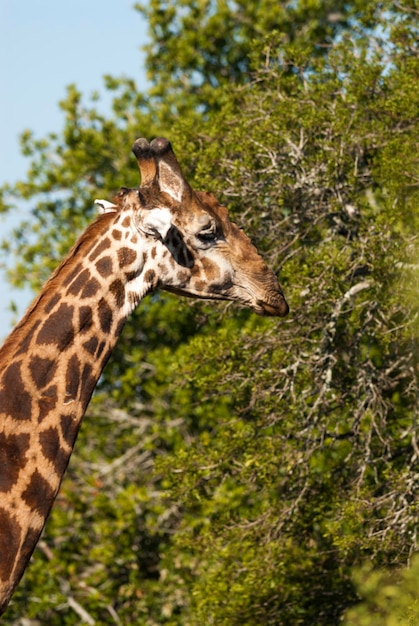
(197, 250)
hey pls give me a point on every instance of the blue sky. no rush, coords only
(45, 46)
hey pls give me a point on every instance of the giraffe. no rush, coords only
(161, 235)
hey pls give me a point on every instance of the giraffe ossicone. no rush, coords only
(161, 235)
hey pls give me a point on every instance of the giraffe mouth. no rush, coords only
(279, 308)
(274, 305)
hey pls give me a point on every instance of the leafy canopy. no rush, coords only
(231, 469)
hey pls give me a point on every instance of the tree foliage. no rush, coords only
(192, 66)
(231, 469)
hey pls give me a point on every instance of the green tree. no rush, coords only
(237, 470)
(388, 599)
(199, 48)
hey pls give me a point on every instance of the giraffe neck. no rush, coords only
(49, 367)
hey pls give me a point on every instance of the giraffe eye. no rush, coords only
(208, 235)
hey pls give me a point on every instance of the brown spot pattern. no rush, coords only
(85, 319)
(118, 291)
(9, 543)
(126, 256)
(58, 328)
(38, 495)
(71, 276)
(47, 402)
(87, 384)
(91, 345)
(69, 429)
(131, 275)
(42, 371)
(50, 443)
(150, 276)
(79, 283)
(104, 266)
(101, 247)
(28, 545)
(72, 377)
(91, 288)
(51, 304)
(119, 327)
(17, 405)
(24, 345)
(105, 316)
(100, 349)
(13, 449)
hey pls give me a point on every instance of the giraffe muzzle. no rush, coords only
(275, 306)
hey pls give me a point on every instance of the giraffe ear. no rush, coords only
(155, 222)
(170, 181)
(106, 207)
(169, 173)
